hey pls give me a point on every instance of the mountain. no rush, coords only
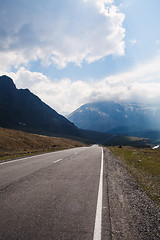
(109, 116)
(21, 109)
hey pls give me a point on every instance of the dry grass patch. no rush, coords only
(146, 171)
(17, 143)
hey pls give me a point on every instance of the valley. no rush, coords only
(30, 127)
(79, 120)
(119, 120)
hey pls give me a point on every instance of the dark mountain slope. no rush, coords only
(20, 109)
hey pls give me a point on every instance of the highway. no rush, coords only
(77, 194)
(51, 196)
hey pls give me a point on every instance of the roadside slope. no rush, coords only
(14, 143)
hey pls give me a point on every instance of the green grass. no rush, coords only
(120, 140)
(14, 144)
(146, 172)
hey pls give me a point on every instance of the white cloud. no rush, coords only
(11, 58)
(62, 95)
(59, 31)
(140, 84)
(101, 4)
(26, 79)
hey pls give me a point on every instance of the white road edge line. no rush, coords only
(98, 219)
(18, 160)
(58, 160)
(25, 158)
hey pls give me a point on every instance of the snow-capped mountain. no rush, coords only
(108, 115)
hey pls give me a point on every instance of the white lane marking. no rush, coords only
(98, 220)
(18, 160)
(22, 159)
(58, 160)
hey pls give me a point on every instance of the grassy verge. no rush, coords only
(146, 171)
(14, 144)
(117, 140)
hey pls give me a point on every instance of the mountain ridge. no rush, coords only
(106, 116)
(22, 110)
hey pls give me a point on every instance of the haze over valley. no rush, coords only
(96, 122)
(79, 119)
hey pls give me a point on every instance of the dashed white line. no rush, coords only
(58, 160)
(22, 159)
(98, 219)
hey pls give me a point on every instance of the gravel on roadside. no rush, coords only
(133, 215)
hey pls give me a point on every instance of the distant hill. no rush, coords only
(20, 109)
(108, 139)
(152, 134)
(116, 118)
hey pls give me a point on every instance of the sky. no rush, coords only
(73, 52)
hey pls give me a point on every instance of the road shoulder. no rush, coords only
(132, 214)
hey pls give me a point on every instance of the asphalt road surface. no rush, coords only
(76, 194)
